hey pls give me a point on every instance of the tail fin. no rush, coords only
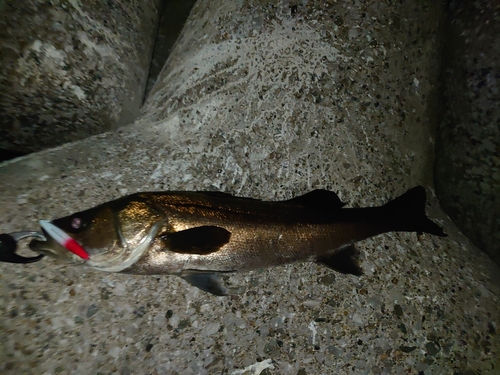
(408, 213)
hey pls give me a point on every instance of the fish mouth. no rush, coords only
(50, 247)
(58, 244)
(64, 239)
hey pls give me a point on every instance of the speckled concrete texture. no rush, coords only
(268, 100)
(468, 152)
(71, 69)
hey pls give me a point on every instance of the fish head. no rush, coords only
(114, 234)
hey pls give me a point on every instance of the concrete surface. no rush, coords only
(468, 152)
(268, 100)
(71, 69)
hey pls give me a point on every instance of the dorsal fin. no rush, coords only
(318, 199)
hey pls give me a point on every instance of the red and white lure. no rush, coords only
(64, 239)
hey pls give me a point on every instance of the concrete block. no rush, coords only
(467, 152)
(71, 69)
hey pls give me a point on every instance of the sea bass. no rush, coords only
(201, 235)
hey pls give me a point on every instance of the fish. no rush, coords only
(200, 236)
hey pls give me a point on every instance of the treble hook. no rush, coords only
(8, 247)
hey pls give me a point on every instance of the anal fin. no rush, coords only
(210, 282)
(345, 260)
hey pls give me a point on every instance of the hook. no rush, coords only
(8, 247)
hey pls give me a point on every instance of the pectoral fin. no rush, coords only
(210, 282)
(200, 240)
(345, 261)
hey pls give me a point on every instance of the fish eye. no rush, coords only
(76, 223)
